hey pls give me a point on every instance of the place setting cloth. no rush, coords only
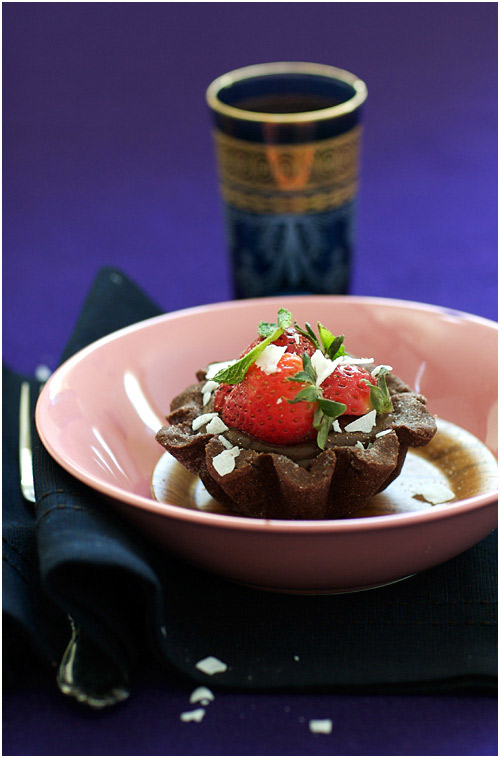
(71, 555)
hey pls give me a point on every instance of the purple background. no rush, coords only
(108, 159)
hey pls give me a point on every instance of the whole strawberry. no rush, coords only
(258, 405)
(291, 339)
(350, 384)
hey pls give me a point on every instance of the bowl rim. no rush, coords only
(209, 519)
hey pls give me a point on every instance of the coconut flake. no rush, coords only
(211, 665)
(383, 432)
(214, 368)
(323, 366)
(225, 442)
(200, 421)
(201, 695)
(363, 423)
(320, 726)
(216, 426)
(435, 493)
(360, 445)
(225, 462)
(376, 371)
(195, 715)
(207, 391)
(336, 427)
(269, 358)
(209, 386)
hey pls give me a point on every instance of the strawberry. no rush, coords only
(348, 384)
(258, 404)
(291, 339)
(287, 404)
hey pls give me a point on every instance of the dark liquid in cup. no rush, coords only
(283, 103)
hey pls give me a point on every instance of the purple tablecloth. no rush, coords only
(108, 160)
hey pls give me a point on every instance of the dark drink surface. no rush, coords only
(286, 103)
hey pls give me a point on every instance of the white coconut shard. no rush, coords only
(336, 426)
(225, 462)
(225, 442)
(200, 421)
(207, 391)
(216, 426)
(435, 493)
(376, 371)
(201, 695)
(211, 665)
(323, 366)
(363, 423)
(269, 358)
(320, 726)
(383, 432)
(360, 445)
(214, 368)
(209, 386)
(196, 715)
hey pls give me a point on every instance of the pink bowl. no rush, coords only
(99, 413)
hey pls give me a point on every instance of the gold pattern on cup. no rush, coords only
(302, 178)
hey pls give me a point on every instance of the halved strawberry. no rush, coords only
(348, 384)
(258, 404)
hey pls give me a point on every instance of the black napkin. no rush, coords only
(140, 607)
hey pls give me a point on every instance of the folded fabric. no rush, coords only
(140, 606)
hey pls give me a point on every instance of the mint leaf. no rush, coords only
(332, 346)
(300, 376)
(284, 318)
(307, 395)
(325, 336)
(323, 431)
(266, 328)
(379, 394)
(336, 348)
(331, 408)
(308, 368)
(236, 373)
(308, 332)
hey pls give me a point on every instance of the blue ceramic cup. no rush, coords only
(287, 138)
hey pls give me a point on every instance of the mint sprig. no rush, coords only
(309, 333)
(379, 393)
(327, 410)
(333, 346)
(235, 373)
(328, 343)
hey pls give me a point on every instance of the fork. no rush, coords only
(84, 673)
(25, 448)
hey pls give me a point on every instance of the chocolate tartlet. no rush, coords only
(311, 479)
